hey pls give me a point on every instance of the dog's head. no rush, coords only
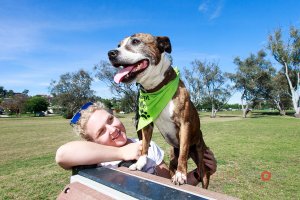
(136, 54)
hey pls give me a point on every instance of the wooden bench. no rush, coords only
(105, 183)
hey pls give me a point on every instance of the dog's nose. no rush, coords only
(113, 54)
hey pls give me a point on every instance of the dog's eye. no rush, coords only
(135, 41)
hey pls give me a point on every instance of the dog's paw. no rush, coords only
(141, 162)
(179, 178)
(133, 167)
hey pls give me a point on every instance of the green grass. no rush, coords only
(27, 167)
(244, 149)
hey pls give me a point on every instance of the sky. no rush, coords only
(41, 40)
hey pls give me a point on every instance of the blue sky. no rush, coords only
(40, 40)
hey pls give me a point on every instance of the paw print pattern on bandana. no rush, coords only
(143, 108)
(144, 114)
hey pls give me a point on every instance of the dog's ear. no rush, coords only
(164, 44)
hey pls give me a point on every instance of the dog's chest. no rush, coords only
(166, 125)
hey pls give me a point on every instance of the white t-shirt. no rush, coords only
(154, 158)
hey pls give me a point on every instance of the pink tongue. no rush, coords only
(120, 75)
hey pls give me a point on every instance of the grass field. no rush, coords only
(244, 149)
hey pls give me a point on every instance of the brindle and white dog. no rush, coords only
(144, 60)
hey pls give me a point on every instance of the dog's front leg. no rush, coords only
(180, 176)
(146, 138)
(174, 154)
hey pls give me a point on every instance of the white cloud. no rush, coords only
(217, 12)
(45, 84)
(212, 9)
(185, 56)
(16, 82)
(16, 38)
(204, 6)
(206, 56)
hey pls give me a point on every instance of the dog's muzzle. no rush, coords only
(113, 54)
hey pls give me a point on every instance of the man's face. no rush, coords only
(104, 128)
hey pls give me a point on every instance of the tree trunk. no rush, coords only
(296, 102)
(282, 112)
(297, 114)
(245, 109)
(280, 107)
(213, 113)
(295, 93)
(245, 112)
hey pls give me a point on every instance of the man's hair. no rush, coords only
(80, 127)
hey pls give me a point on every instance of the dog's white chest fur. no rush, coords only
(166, 125)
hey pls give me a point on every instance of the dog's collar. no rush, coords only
(170, 74)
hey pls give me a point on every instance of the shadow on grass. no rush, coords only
(257, 114)
(228, 116)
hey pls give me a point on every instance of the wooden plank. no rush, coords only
(101, 188)
(78, 191)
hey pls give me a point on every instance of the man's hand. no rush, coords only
(131, 151)
(210, 161)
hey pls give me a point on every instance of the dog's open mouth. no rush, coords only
(129, 72)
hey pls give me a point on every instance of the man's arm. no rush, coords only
(87, 153)
(163, 170)
(210, 161)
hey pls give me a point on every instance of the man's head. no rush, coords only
(96, 123)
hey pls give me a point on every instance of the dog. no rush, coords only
(145, 59)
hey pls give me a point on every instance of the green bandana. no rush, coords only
(151, 104)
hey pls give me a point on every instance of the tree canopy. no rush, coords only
(207, 83)
(15, 103)
(252, 78)
(72, 91)
(37, 104)
(287, 53)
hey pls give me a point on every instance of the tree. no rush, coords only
(10, 93)
(106, 102)
(279, 93)
(194, 84)
(15, 104)
(25, 92)
(127, 92)
(6, 93)
(287, 53)
(207, 82)
(3, 92)
(72, 91)
(251, 79)
(37, 104)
